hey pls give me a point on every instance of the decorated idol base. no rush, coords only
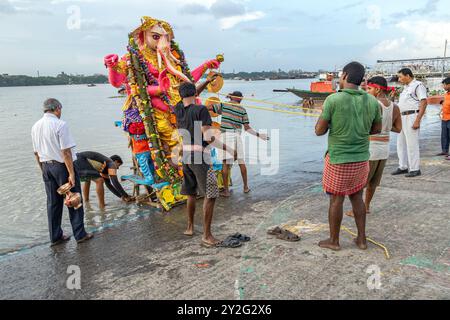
(168, 195)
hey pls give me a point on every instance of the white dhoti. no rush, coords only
(232, 140)
(408, 146)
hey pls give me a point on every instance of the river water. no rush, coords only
(91, 113)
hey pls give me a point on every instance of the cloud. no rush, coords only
(423, 39)
(252, 30)
(389, 45)
(430, 35)
(429, 8)
(73, 1)
(8, 7)
(349, 6)
(91, 37)
(230, 22)
(227, 9)
(92, 25)
(193, 9)
(229, 13)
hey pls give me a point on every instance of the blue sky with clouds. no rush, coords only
(254, 35)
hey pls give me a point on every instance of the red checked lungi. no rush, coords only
(345, 179)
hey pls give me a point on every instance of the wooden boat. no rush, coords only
(306, 94)
(319, 90)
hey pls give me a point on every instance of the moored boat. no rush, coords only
(306, 94)
(319, 90)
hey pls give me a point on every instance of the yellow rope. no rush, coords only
(304, 224)
(386, 251)
(273, 103)
(316, 115)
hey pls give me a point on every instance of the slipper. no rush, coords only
(230, 243)
(275, 232)
(60, 241)
(241, 237)
(288, 236)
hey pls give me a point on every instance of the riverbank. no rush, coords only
(7, 80)
(149, 258)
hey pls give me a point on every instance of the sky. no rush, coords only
(51, 36)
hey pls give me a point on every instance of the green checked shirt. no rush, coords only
(351, 114)
(233, 116)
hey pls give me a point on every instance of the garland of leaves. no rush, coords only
(184, 66)
(137, 78)
(150, 78)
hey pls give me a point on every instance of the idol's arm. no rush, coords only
(198, 73)
(117, 74)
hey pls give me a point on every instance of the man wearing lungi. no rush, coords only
(350, 116)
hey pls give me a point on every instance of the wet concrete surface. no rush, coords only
(150, 258)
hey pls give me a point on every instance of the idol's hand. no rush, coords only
(111, 60)
(213, 64)
(164, 82)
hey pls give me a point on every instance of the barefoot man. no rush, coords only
(234, 118)
(379, 144)
(350, 116)
(194, 125)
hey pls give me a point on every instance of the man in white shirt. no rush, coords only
(53, 147)
(413, 105)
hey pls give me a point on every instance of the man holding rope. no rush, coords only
(234, 118)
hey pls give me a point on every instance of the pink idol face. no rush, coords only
(154, 36)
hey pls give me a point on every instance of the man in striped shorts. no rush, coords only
(234, 117)
(349, 116)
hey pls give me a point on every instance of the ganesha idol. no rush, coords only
(166, 64)
(165, 69)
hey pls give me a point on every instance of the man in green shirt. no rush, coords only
(350, 116)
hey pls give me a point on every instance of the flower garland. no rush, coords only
(184, 66)
(143, 104)
(150, 78)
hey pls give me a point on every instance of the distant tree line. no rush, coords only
(279, 74)
(60, 79)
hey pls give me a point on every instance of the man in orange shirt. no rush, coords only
(446, 119)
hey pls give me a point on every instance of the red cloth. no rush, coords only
(136, 128)
(345, 179)
(140, 146)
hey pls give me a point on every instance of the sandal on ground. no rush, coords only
(241, 237)
(288, 236)
(230, 243)
(275, 232)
